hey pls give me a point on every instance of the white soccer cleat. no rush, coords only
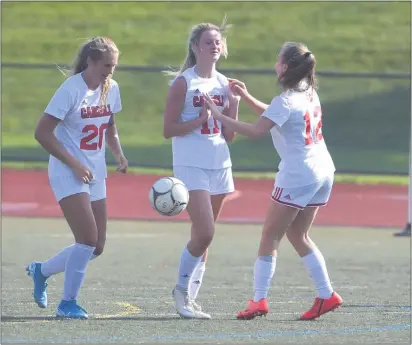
(198, 310)
(195, 305)
(184, 306)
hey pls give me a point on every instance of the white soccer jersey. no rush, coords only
(83, 124)
(298, 139)
(204, 147)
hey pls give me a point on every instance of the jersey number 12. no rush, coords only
(313, 126)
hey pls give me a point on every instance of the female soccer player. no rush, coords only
(76, 125)
(201, 157)
(305, 178)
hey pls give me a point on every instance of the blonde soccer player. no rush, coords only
(305, 178)
(201, 157)
(77, 124)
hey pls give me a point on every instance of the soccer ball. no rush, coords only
(169, 196)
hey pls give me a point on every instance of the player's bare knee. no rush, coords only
(99, 250)
(205, 239)
(89, 239)
(89, 242)
(295, 237)
(100, 245)
(271, 235)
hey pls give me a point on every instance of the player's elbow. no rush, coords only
(230, 137)
(169, 130)
(39, 134)
(166, 133)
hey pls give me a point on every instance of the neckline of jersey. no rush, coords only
(88, 89)
(197, 75)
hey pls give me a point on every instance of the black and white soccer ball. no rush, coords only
(169, 196)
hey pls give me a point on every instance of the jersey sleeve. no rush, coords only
(60, 104)
(278, 111)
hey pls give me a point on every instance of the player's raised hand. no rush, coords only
(233, 97)
(212, 106)
(83, 173)
(237, 87)
(205, 113)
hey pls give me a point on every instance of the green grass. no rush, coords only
(365, 120)
(339, 178)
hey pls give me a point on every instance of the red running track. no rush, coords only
(27, 193)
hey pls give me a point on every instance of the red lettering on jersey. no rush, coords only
(317, 119)
(92, 132)
(96, 111)
(198, 101)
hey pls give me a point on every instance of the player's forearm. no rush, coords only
(232, 112)
(181, 128)
(257, 106)
(113, 141)
(242, 128)
(50, 143)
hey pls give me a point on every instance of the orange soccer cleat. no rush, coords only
(322, 306)
(254, 309)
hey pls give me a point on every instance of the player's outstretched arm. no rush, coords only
(231, 111)
(113, 142)
(251, 130)
(239, 88)
(174, 106)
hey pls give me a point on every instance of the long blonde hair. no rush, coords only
(93, 48)
(194, 38)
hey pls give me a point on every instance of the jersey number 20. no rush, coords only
(313, 126)
(95, 131)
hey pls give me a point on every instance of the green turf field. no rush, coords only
(365, 120)
(127, 291)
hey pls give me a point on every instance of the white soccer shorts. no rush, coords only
(64, 186)
(312, 195)
(215, 181)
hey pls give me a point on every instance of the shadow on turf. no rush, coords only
(53, 318)
(6, 319)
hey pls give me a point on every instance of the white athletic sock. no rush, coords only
(263, 273)
(316, 267)
(76, 265)
(196, 280)
(188, 264)
(57, 263)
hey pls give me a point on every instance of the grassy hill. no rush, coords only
(366, 122)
